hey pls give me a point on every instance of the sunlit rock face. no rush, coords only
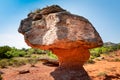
(69, 36)
(58, 28)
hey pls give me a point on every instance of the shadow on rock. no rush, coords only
(67, 74)
(111, 77)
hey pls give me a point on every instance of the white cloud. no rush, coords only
(13, 40)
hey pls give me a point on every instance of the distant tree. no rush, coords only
(30, 51)
(8, 52)
(3, 50)
(118, 47)
(15, 53)
(24, 49)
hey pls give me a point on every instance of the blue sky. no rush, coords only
(103, 14)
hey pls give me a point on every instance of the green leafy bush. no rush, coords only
(17, 62)
(8, 52)
(51, 55)
(3, 50)
(15, 53)
(96, 52)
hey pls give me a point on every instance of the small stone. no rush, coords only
(1, 72)
(49, 62)
(24, 71)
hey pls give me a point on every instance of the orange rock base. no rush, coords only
(72, 58)
(71, 64)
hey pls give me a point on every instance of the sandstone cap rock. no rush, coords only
(54, 27)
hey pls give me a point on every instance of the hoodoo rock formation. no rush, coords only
(69, 36)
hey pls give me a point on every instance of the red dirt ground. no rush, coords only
(106, 69)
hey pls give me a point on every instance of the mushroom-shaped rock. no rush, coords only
(69, 36)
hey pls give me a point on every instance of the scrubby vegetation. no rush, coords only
(96, 52)
(10, 52)
(49, 9)
(102, 74)
(105, 49)
(11, 56)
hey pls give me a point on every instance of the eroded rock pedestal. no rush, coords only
(69, 36)
(71, 64)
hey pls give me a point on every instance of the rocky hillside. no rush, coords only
(110, 44)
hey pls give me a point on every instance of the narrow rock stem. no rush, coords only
(72, 58)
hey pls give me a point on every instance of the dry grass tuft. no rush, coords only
(49, 9)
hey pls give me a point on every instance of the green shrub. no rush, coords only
(102, 74)
(8, 52)
(36, 51)
(32, 61)
(51, 55)
(4, 63)
(17, 62)
(15, 53)
(36, 11)
(96, 52)
(117, 59)
(92, 57)
(12, 62)
(3, 50)
(90, 61)
(30, 51)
